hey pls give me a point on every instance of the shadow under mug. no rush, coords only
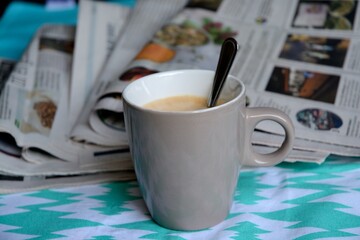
(187, 163)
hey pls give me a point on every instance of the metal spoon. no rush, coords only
(226, 58)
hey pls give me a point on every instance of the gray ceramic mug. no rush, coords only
(187, 163)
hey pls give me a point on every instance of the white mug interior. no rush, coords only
(177, 83)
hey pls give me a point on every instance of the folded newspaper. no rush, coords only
(61, 111)
(43, 94)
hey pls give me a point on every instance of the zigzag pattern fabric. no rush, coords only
(288, 201)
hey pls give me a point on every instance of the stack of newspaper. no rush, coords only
(61, 112)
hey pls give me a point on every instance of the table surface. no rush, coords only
(287, 201)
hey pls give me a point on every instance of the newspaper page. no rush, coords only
(12, 184)
(98, 28)
(37, 90)
(311, 72)
(34, 101)
(34, 98)
(298, 56)
(146, 18)
(54, 159)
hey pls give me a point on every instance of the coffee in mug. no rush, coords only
(180, 103)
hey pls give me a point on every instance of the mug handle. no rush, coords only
(253, 117)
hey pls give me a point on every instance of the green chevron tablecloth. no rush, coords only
(288, 201)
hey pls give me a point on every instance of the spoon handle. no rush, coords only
(227, 55)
